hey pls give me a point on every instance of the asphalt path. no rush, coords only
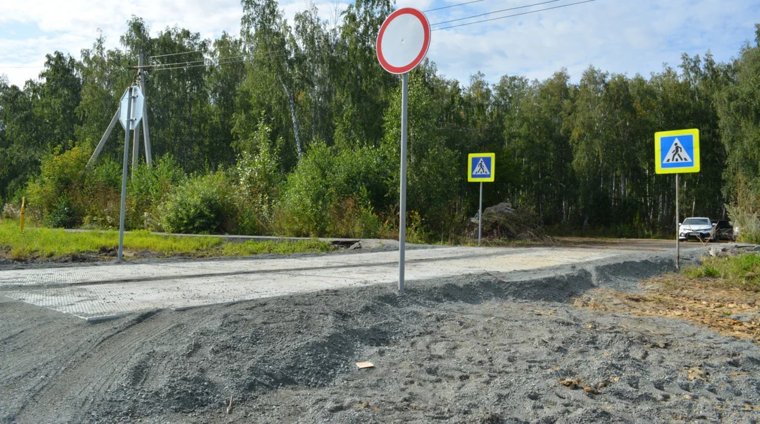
(112, 290)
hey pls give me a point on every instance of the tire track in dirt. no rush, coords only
(93, 367)
(40, 348)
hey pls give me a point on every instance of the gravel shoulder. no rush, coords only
(482, 349)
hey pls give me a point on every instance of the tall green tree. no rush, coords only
(226, 74)
(56, 99)
(269, 85)
(543, 149)
(178, 96)
(21, 147)
(434, 170)
(363, 87)
(105, 76)
(739, 113)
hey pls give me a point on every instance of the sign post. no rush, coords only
(130, 113)
(402, 43)
(480, 168)
(676, 152)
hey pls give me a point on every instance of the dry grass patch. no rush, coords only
(722, 294)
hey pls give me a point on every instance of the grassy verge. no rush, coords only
(51, 244)
(741, 272)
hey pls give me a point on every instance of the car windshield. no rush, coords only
(696, 221)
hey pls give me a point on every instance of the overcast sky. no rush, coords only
(620, 36)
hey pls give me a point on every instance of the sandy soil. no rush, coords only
(488, 349)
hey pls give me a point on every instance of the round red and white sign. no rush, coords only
(403, 40)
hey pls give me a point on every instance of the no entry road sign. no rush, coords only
(676, 152)
(403, 40)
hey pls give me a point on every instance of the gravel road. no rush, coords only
(489, 348)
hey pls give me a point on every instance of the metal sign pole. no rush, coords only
(123, 207)
(402, 200)
(480, 213)
(678, 244)
(402, 43)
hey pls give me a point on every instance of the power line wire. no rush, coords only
(495, 11)
(242, 58)
(513, 15)
(175, 54)
(190, 62)
(453, 5)
(215, 63)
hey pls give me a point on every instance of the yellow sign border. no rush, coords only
(694, 132)
(472, 179)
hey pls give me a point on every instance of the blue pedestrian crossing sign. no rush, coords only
(676, 151)
(480, 167)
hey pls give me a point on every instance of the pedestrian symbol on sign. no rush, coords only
(677, 154)
(481, 169)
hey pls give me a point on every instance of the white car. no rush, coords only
(695, 227)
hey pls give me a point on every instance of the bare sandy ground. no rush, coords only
(488, 348)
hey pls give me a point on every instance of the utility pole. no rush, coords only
(145, 127)
(136, 140)
(144, 122)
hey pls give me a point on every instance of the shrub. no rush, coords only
(57, 196)
(257, 176)
(302, 209)
(62, 214)
(11, 211)
(746, 224)
(353, 217)
(148, 188)
(102, 194)
(333, 193)
(200, 205)
(745, 212)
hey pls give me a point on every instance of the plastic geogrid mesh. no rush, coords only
(96, 292)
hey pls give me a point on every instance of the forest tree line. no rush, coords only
(293, 128)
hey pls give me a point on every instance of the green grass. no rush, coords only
(741, 271)
(50, 243)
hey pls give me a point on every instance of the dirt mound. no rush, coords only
(503, 222)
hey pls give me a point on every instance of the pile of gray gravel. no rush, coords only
(483, 349)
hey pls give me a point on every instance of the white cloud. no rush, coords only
(72, 25)
(614, 35)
